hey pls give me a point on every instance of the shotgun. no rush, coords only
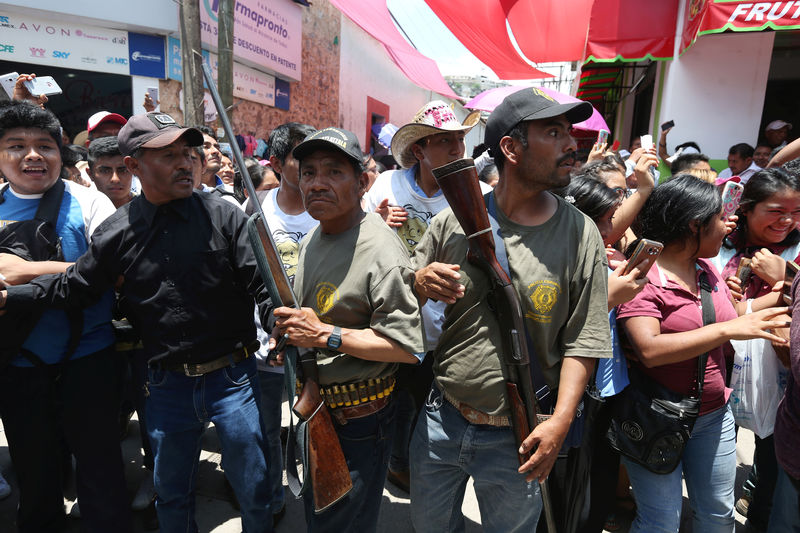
(330, 476)
(459, 183)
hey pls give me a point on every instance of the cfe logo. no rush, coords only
(327, 295)
(7, 48)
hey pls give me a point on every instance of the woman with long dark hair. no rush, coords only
(665, 327)
(766, 234)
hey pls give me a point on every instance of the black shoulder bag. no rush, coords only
(650, 423)
(34, 240)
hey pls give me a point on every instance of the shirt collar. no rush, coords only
(149, 210)
(656, 277)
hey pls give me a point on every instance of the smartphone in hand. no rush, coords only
(8, 81)
(667, 125)
(602, 136)
(646, 249)
(44, 85)
(731, 195)
(791, 272)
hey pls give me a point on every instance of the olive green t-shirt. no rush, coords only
(361, 278)
(560, 272)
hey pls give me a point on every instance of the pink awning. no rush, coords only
(631, 30)
(374, 18)
(480, 25)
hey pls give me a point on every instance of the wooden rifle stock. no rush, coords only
(459, 182)
(330, 475)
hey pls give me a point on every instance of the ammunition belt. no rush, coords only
(352, 394)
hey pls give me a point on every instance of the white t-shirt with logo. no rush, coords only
(287, 232)
(400, 188)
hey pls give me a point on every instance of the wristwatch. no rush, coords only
(335, 338)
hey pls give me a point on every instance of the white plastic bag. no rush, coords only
(758, 380)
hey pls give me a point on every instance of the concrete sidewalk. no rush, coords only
(215, 514)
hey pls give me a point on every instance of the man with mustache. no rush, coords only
(186, 277)
(354, 281)
(557, 265)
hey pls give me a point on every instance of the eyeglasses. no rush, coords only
(622, 192)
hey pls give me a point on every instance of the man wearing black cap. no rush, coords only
(186, 274)
(558, 267)
(354, 278)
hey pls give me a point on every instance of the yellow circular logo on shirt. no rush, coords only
(327, 295)
(544, 295)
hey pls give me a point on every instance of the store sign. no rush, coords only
(67, 45)
(751, 16)
(266, 33)
(146, 55)
(248, 84)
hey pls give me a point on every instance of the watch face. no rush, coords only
(335, 339)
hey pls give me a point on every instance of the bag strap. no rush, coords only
(709, 317)
(542, 391)
(50, 204)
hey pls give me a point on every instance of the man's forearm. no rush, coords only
(575, 374)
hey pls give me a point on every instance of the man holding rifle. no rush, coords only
(557, 265)
(355, 281)
(186, 275)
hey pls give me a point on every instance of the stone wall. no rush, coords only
(314, 100)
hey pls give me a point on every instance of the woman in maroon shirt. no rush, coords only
(665, 326)
(766, 233)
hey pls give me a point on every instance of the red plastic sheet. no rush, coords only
(480, 25)
(375, 19)
(560, 30)
(549, 31)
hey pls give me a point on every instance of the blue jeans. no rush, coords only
(446, 450)
(178, 406)
(785, 517)
(366, 444)
(271, 385)
(709, 468)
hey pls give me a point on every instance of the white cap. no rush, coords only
(776, 125)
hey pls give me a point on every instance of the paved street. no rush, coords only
(216, 515)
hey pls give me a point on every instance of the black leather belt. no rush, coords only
(200, 369)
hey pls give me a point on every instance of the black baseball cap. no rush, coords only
(154, 130)
(330, 138)
(529, 104)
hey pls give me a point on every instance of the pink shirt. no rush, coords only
(678, 310)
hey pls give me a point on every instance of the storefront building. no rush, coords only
(291, 62)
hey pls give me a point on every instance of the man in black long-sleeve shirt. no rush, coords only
(186, 277)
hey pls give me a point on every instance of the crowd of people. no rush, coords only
(150, 300)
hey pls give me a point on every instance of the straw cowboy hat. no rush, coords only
(435, 117)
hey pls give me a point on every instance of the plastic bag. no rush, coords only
(758, 380)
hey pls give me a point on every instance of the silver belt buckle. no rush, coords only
(188, 373)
